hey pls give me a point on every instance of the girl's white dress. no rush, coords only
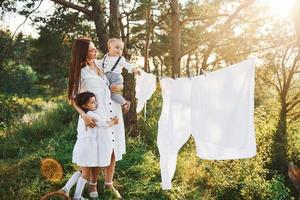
(108, 139)
(85, 152)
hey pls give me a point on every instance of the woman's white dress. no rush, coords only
(108, 139)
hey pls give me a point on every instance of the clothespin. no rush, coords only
(175, 76)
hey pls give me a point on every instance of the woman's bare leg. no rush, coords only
(109, 175)
(110, 170)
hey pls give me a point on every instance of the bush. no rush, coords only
(277, 190)
(18, 79)
(14, 108)
(148, 125)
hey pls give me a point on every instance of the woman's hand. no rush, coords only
(116, 88)
(88, 120)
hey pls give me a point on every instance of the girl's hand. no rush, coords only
(115, 120)
(116, 88)
(88, 120)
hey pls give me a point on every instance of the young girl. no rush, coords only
(85, 149)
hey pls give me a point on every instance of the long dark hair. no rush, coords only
(83, 98)
(78, 61)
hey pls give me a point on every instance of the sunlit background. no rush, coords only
(279, 8)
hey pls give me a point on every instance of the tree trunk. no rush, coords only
(197, 63)
(175, 39)
(156, 71)
(206, 56)
(98, 17)
(161, 66)
(279, 160)
(114, 19)
(130, 118)
(147, 41)
(188, 66)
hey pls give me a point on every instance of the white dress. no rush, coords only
(111, 139)
(85, 152)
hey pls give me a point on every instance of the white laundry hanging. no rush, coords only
(173, 129)
(144, 89)
(222, 113)
(217, 108)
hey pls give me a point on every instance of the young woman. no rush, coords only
(86, 74)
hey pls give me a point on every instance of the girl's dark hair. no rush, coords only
(83, 98)
(78, 61)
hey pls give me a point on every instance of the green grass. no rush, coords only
(137, 176)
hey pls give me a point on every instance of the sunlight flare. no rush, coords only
(280, 8)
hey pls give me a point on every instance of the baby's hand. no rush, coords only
(136, 71)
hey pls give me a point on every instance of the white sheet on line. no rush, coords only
(217, 108)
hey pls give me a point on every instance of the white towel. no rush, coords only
(144, 89)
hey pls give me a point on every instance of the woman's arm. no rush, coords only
(88, 120)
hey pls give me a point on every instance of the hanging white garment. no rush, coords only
(174, 128)
(222, 113)
(144, 89)
(217, 108)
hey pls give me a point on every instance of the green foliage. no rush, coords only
(148, 123)
(12, 108)
(19, 79)
(51, 135)
(4, 44)
(277, 190)
(138, 173)
(294, 141)
(50, 58)
(7, 6)
(18, 138)
(14, 51)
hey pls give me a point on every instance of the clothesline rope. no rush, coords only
(203, 71)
